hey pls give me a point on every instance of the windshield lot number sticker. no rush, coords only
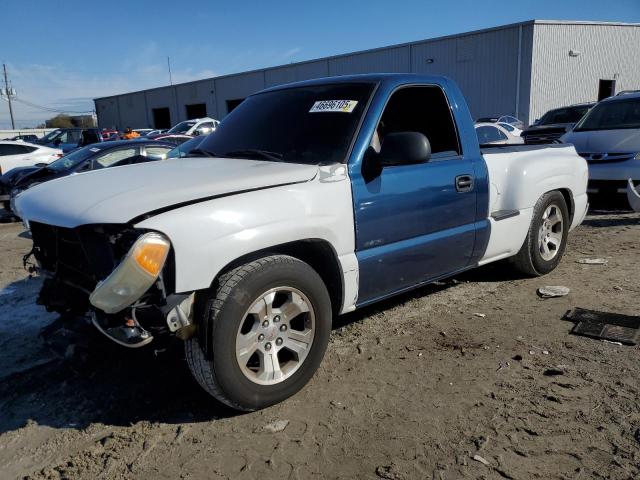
(345, 106)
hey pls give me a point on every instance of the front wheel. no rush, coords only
(547, 236)
(266, 328)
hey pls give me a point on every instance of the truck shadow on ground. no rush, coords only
(102, 383)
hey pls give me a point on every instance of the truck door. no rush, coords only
(414, 222)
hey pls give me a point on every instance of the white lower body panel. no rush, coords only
(507, 236)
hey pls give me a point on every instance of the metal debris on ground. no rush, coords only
(551, 291)
(593, 261)
(613, 327)
(481, 315)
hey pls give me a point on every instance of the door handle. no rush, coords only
(464, 183)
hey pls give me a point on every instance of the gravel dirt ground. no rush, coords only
(475, 377)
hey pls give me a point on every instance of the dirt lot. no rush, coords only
(412, 388)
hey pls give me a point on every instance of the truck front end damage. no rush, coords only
(119, 277)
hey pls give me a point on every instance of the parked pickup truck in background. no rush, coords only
(316, 198)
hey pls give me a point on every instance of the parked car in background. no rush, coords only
(24, 154)
(515, 131)
(493, 119)
(109, 134)
(25, 138)
(511, 120)
(20, 155)
(176, 139)
(495, 134)
(608, 137)
(320, 197)
(195, 127)
(91, 157)
(184, 149)
(555, 123)
(157, 131)
(143, 132)
(68, 139)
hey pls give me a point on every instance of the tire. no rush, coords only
(532, 259)
(235, 313)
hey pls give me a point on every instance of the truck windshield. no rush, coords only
(612, 115)
(311, 124)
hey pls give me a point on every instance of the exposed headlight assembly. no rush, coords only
(637, 157)
(137, 271)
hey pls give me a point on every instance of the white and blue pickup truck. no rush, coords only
(312, 199)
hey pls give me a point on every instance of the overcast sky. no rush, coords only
(62, 54)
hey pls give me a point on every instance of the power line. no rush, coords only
(47, 109)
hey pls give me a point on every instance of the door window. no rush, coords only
(113, 157)
(489, 134)
(424, 110)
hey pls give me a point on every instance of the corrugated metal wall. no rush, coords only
(164, 97)
(395, 59)
(296, 73)
(605, 52)
(130, 112)
(493, 68)
(196, 92)
(107, 112)
(485, 66)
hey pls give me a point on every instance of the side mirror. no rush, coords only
(404, 148)
(57, 141)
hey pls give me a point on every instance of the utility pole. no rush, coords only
(9, 93)
(169, 65)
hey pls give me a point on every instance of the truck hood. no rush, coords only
(604, 141)
(120, 194)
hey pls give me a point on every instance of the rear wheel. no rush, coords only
(546, 239)
(266, 328)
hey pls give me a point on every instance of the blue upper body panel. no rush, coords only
(412, 224)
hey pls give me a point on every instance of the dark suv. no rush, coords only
(555, 123)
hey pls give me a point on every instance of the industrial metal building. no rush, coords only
(522, 69)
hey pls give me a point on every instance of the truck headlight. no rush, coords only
(637, 157)
(137, 271)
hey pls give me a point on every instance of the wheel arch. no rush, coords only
(568, 198)
(319, 254)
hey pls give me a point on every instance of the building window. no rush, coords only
(231, 104)
(161, 118)
(606, 89)
(196, 110)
